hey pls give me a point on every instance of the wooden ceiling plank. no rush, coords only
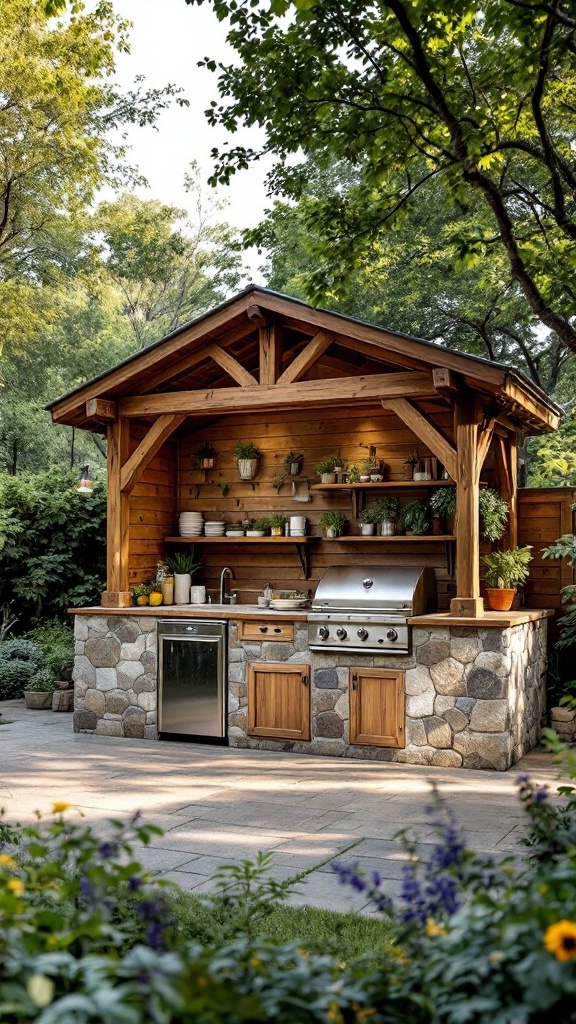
(423, 429)
(332, 391)
(150, 444)
(231, 365)
(307, 357)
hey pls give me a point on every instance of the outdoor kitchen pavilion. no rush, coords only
(263, 357)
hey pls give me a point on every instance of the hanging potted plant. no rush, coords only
(443, 509)
(368, 518)
(205, 457)
(493, 514)
(410, 462)
(387, 512)
(39, 690)
(504, 572)
(326, 468)
(182, 568)
(414, 518)
(248, 458)
(277, 525)
(293, 463)
(333, 522)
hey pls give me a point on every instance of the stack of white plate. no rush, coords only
(191, 524)
(214, 529)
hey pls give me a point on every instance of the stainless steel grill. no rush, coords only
(367, 610)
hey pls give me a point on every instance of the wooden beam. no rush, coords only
(232, 367)
(445, 382)
(102, 410)
(307, 357)
(189, 360)
(133, 469)
(468, 419)
(255, 314)
(312, 393)
(484, 440)
(423, 429)
(507, 463)
(117, 592)
(270, 353)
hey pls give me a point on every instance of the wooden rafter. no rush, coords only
(484, 440)
(317, 392)
(231, 365)
(135, 466)
(101, 410)
(307, 357)
(191, 359)
(422, 427)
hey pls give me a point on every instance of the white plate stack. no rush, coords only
(191, 524)
(214, 529)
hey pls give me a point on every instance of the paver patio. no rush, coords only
(217, 805)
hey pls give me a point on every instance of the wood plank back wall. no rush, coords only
(153, 505)
(314, 433)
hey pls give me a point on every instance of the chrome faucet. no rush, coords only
(224, 597)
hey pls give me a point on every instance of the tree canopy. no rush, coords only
(473, 97)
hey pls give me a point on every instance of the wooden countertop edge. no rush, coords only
(213, 611)
(495, 620)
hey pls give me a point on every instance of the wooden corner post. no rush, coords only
(468, 417)
(117, 593)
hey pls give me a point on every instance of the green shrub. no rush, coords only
(42, 681)
(21, 649)
(56, 641)
(14, 678)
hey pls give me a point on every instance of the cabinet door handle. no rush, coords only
(277, 629)
(354, 687)
(304, 680)
(263, 629)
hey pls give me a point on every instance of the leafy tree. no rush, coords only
(476, 97)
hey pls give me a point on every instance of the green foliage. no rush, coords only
(565, 547)
(181, 563)
(328, 463)
(42, 681)
(387, 510)
(507, 569)
(552, 457)
(52, 544)
(493, 513)
(415, 516)
(443, 502)
(246, 450)
(56, 641)
(370, 514)
(22, 649)
(262, 524)
(14, 678)
(331, 519)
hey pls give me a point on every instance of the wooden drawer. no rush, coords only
(261, 629)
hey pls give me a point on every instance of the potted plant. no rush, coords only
(353, 474)
(293, 463)
(259, 527)
(182, 567)
(39, 690)
(205, 457)
(504, 571)
(443, 509)
(333, 522)
(235, 529)
(248, 457)
(387, 512)
(368, 518)
(414, 518)
(141, 593)
(326, 468)
(367, 467)
(493, 514)
(277, 525)
(410, 462)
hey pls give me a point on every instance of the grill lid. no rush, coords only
(403, 589)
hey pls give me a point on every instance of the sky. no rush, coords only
(167, 40)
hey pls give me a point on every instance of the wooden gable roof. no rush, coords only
(261, 350)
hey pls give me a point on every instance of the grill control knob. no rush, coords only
(341, 633)
(391, 634)
(362, 633)
(323, 632)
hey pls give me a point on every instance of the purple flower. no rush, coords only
(108, 849)
(541, 794)
(86, 889)
(134, 883)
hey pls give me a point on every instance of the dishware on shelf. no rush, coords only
(282, 604)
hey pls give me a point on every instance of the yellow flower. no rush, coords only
(433, 929)
(560, 939)
(6, 861)
(60, 806)
(16, 886)
(255, 962)
(40, 989)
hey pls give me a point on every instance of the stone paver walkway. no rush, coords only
(218, 805)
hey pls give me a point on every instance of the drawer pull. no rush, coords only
(263, 629)
(277, 629)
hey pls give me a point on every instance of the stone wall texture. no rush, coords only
(475, 698)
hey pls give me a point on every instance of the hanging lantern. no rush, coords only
(85, 485)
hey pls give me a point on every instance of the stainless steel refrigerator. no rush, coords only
(192, 680)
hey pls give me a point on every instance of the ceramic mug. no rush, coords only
(197, 594)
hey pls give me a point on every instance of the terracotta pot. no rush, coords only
(407, 471)
(38, 701)
(437, 525)
(500, 600)
(207, 463)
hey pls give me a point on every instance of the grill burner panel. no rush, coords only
(366, 610)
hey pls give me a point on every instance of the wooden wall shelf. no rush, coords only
(357, 491)
(300, 545)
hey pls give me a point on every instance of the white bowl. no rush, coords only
(254, 533)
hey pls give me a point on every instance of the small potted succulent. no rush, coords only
(277, 525)
(326, 468)
(248, 458)
(333, 522)
(141, 593)
(205, 457)
(293, 463)
(39, 690)
(368, 518)
(443, 509)
(388, 512)
(259, 527)
(367, 468)
(414, 518)
(410, 462)
(504, 572)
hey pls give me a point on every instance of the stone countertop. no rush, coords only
(496, 620)
(198, 611)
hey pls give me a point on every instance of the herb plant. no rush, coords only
(328, 464)
(414, 517)
(246, 450)
(506, 570)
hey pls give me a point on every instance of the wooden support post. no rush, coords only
(117, 594)
(468, 418)
(270, 353)
(507, 462)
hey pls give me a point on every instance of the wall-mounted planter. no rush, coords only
(247, 468)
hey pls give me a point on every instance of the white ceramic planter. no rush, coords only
(367, 529)
(331, 531)
(182, 584)
(327, 478)
(247, 468)
(387, 529)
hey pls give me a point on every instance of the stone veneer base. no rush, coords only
(475, 697)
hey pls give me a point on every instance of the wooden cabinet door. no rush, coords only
(279, 700)
(377, 707)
